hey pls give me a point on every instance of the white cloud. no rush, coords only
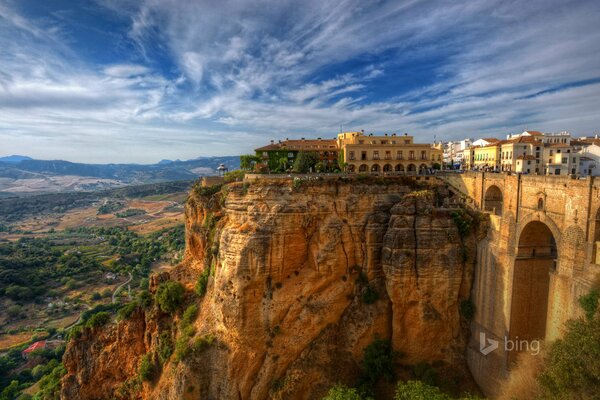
(273, 68)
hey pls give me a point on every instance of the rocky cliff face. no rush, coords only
(302, 277)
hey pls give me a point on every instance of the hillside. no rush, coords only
(22, 175)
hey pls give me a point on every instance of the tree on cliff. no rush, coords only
(305, 161)
(169, 296)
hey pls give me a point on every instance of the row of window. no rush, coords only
(388, 155)
(406, 141)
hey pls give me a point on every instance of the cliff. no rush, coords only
(301, 277)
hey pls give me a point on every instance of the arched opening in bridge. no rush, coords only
(493, 200)
(535, 260)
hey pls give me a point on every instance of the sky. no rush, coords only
(144, 80)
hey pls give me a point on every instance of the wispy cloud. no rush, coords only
(200, 73)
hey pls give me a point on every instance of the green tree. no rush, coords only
(305, 161)
(247, 161)
(146, 368)
(169, 296)
(342, 392)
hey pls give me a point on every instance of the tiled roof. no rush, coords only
(35, 346)
(300, 144)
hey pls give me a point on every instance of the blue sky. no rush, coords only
(139, 81)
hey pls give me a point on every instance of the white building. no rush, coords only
(589, 163)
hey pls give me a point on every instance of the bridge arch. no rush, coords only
(493, 200)
(535, 260)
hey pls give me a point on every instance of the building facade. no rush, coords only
(281, 155)
(387, 153)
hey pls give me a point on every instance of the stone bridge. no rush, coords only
(541, 254)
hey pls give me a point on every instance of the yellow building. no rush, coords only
(387, 153)
(487, 158)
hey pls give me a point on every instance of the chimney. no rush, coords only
(302, 138)
(386, 134)
(272, 141)
(319, 138)
(362, 130)
(405, 134)
(287, 138)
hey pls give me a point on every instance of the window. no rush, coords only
(388, 155)
(265, 154)
(574, 160)
(550, 152)
(564, 160)
(528, 162)
(363, 155)
(407, 142)
(376, 155)
(411, 155)
(540, 204)
(557, 171)
(384, 142)
(351, 155)
(537, 154)
(361, 142)
(399, 155)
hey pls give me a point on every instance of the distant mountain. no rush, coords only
(24, 174)
(14, 159)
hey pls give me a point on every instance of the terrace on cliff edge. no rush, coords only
(291, 286)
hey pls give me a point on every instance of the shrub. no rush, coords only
(189, 315)
(573, 363)
(417, 390)
(202, 283)
(169, 296)
(378, 361)
(233, 176)
(202, 343)
(589, 303)
(146, 368)
(99, 319)
(463, 221)
(342, 392)
(165, 347)
(127, 310)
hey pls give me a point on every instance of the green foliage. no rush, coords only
(417, 390)
(234, 176)
(189, 315)
(573, 364)
(169, 296)
(202, 343)
(130, 212)
(467, 309)
(50, 385)
(145, 299)
(247, 161)
(97, 320)
(206, 191)
(146, 368)
(342, 392)
(378, 361)
(165, 346)
(589, 303)
(110, 207)
(424, 372)
(127, 310)
(202, 283)
(463, 221)
(305, 161)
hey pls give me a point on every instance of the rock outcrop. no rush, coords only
(303, 276)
